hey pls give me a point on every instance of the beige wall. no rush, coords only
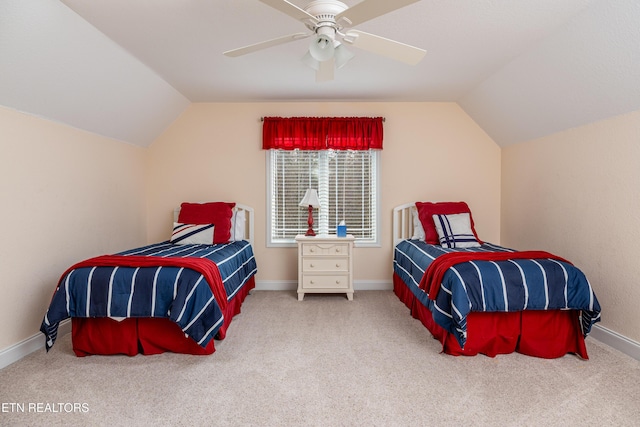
(66, 195)
(432, 151)
(576, 193)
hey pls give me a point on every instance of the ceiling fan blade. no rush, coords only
(290, 9)
(325, 72)
(369, 9)
(265, 44)
(385, 47)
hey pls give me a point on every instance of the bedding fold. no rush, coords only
(204, 266)
(432, 278)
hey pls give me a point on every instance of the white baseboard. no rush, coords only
(613, 339)
(276, 285)
(292, 285)
(24, 348)
(372, 285)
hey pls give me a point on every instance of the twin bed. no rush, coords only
(174, 296)
(479, 298)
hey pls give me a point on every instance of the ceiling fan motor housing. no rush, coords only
(325, 12)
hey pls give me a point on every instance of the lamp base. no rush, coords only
(310, 231)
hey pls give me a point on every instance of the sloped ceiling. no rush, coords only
(57, 66)
(126, 69)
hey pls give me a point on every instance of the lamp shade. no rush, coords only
(321, 48)
(310, 198)
(309, 60)
(342, 56)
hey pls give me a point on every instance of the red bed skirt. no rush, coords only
(131, 336)
(545, 334)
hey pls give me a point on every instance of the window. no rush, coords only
(347, 184)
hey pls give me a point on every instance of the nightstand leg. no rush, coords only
(300, 296)
(350, 296)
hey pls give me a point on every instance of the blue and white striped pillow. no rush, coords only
(192, 234)
(454, 231)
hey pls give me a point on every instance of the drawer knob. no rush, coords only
(311, 265)
(337, 265)
(311, 250)
(311, 282)
(337, 282)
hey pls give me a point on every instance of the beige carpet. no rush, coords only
(324, 361)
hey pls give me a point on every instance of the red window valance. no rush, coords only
(322, 133)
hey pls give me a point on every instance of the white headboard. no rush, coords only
(248, 215)
(403, 222)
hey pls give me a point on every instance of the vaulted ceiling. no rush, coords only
(126, 69)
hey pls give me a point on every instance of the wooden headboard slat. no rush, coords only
(403, 222)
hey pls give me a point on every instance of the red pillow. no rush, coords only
(217, 213)
(426, 210)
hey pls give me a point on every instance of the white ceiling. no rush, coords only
(127, 68)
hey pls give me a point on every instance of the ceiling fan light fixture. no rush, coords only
(321, 48)
(310, 61)
(342, 55)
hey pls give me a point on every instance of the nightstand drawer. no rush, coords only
(310, 265)
(326, 282)
(325, 249)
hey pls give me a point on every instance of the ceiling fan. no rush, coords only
(330, 22)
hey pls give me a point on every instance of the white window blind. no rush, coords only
(347, 184)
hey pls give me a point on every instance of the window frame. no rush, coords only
(376, 242)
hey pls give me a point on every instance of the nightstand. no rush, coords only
(325, 264)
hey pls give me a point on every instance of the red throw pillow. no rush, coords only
(426, 210)
(217, 213)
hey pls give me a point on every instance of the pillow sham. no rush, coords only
(454, 231)
(217, 213)
(192, 234)
(426, 210)
(238, 221)
(418, 231)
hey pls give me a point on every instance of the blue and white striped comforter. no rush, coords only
(180, 294)
(495, 286)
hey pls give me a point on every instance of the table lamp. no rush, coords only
(311, 201)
